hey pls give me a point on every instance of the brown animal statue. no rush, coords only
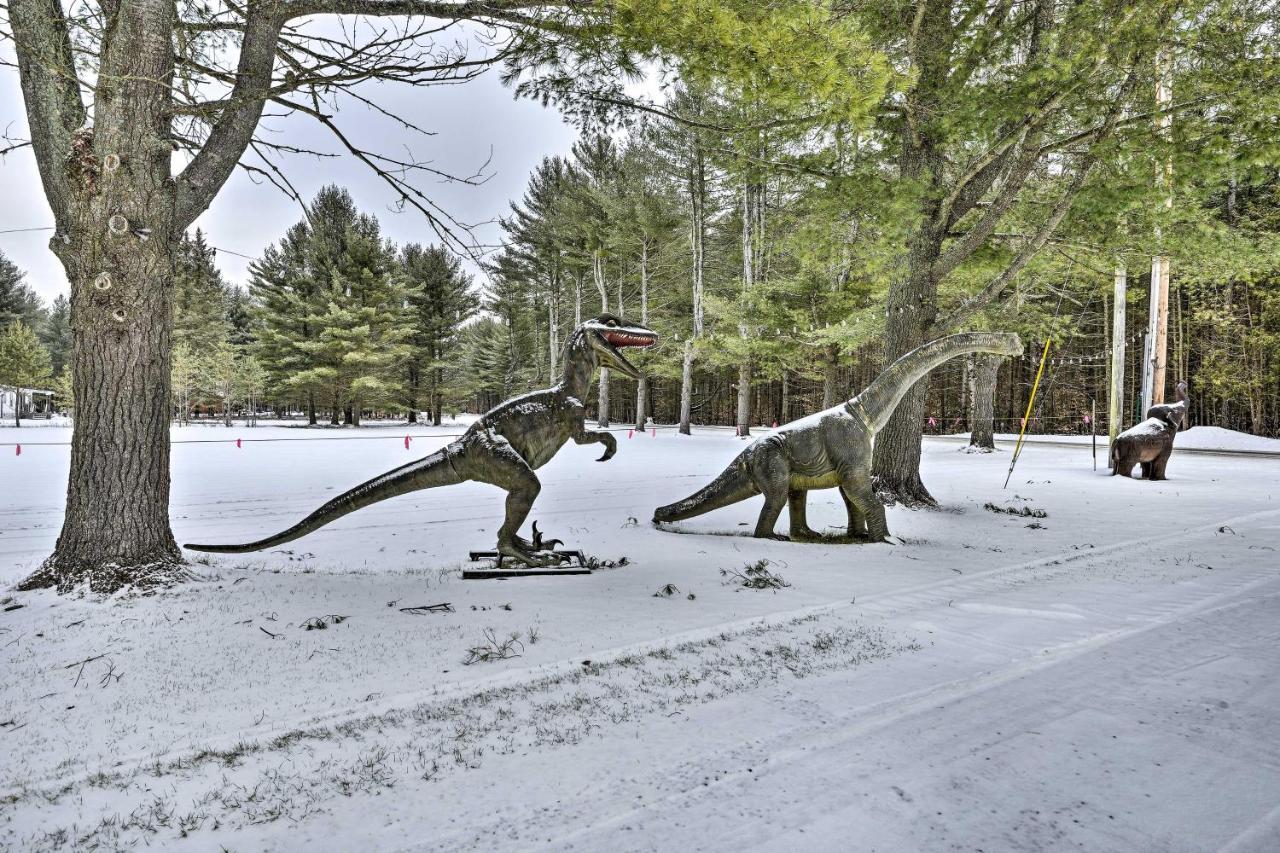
(1150, 443)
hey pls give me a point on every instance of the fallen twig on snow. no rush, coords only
(82, 664)
(423, 609)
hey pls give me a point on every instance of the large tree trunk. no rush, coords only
(686, 388)
(642, 401)
(912, 302)
(784, 406)
(602, 399)
(414, 379)
(642, 384)
(116, 528)
(982, 390)
(744, 398)
(697, 188)
(830, 376)
(117, 241)
(437, 398)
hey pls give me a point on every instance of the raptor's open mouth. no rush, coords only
(622, 338)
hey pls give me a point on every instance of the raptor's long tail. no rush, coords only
(731, 486)
(426, 473)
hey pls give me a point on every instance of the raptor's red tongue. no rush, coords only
(625, 339)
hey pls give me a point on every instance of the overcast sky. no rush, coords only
(470, 121)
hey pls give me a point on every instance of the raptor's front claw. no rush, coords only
(610, 446)
(540, 544)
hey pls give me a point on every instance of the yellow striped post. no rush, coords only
(1026, 419)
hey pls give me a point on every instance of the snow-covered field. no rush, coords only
(1103, 678)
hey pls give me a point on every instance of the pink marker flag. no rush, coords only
(237, 443)
(1087, 419)
(407, 439)
(655, 432)
(631, 433)
(933, 422)
(19, 453)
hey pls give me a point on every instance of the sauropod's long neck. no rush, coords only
(882, 396)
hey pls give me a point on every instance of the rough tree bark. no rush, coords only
(982, 390)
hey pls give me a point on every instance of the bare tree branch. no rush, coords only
(204, 176)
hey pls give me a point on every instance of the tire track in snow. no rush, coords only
(802, 742)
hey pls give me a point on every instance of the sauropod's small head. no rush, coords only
(609, 334)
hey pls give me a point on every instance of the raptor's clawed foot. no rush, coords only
(532, 558)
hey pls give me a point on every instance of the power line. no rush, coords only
(51, 228)
(21, 230)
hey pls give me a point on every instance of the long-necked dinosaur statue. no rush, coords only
(830, 449)
(503, 448)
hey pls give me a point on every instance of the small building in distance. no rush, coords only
(30, 403)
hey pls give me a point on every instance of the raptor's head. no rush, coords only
(609, 334)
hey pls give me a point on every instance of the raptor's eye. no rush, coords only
(612, 324)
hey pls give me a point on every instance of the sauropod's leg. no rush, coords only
(772, 475)
(856, 486)
(1146, 470)
(797, 509)
(857, 519)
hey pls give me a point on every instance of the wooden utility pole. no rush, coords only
(1158, 323)
(1115, 410)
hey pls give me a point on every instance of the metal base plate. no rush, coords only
(575, 563)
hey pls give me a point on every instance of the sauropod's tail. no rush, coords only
(731, 486)
(426, 473)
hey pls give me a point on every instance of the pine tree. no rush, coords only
(440, 299)
(55, 334)
(358, 355)
(18, 302)
(24, 362)
(199, 296)
(281, 295)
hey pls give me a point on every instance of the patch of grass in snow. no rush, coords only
(755, 576)
(1022, 512)
(492, 649)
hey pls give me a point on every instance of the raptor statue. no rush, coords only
(829, 449)
(503, 448)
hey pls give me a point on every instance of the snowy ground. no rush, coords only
(1103, 678)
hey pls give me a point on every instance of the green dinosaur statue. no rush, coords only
(504, 447)
(830, 449)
